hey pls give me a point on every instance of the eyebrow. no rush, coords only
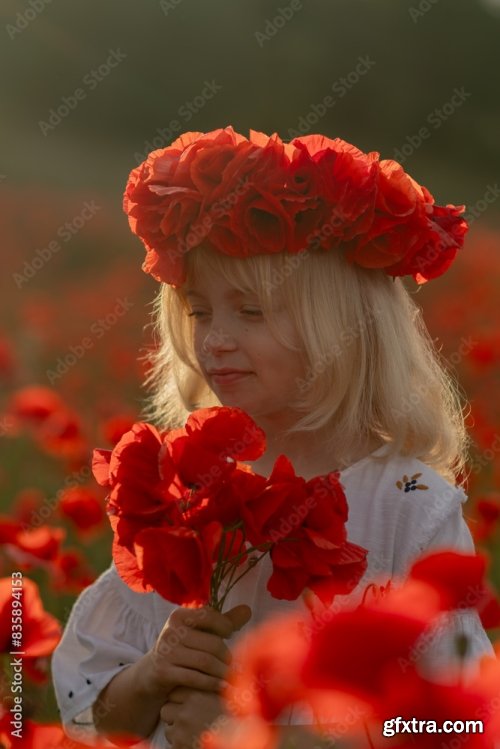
(231, 294)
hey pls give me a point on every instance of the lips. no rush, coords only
(228, 377)
(226, 371)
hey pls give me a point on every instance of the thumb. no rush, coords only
(239, 616)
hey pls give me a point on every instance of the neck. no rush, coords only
(307, 452)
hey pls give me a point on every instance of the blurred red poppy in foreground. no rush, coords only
(25, 626)
(358, 667)
(33, 735)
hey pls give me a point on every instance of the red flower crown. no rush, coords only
(249, 196)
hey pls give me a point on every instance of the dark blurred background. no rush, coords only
(270, 62)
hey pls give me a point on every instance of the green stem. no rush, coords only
(250, 567)
(215, 580)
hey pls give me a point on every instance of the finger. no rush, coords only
(239, 616)
(169, 733)
(175, 742)
(178, 695)
(193, 679)
(208, 619)
(169, 712)
(198, 640)
(199, 660)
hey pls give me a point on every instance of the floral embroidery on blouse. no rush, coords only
(410, 484)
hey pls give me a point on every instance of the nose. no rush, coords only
(218, 338)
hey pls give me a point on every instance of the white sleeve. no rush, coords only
(102, 636)
(437, 650)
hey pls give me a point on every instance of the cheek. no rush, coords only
(200, 347)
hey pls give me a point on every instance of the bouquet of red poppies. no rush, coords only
(190, 518)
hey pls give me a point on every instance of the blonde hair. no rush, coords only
(372, 370)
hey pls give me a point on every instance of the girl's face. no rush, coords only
(230, 332)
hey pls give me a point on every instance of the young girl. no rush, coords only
(281, 294)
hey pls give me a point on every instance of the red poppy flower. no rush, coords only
(300, 563)
(115, 427)
(81, 505)
(37, 632)
(359, 651)
(264, 677)
(488, 507)
(485, 353)
(70, 572)
(177, 562)
(125, 555)
(488, 511)
(347, 180)
(228, 503)
(229, 432)
(139, 484)
(27, 505)
(57, 429)
(306, 523)
(279, 508)
(61, 434)
(35, 403)
(32, 546)
(458, 577)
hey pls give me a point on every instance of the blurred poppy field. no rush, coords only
(75, 306)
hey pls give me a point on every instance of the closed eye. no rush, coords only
(253, 312)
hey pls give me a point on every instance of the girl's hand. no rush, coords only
(187, 713)
(190, 650)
